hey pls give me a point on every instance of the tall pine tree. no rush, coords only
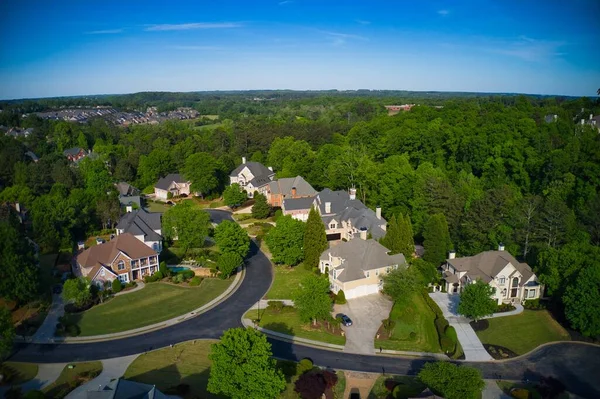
(315, 240)
(407, 243)
(392, 236)
(436, 239)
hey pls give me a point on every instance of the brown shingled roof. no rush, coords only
(104, 254)
(486, 265)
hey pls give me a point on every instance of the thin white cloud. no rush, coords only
(282, 3)
(191, 26)
(363, 22)
(339, 39)
(529, 49)
(443, 12)
(105, 32)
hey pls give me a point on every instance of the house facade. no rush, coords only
(124, 257)
(357, 266)
(289, 187)
(252, 177)
(75, 154)
(128, 195)
(512, 281)
(143, 225)
(172, 183)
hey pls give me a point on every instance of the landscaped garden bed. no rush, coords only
(499, 352)
(72, 376)
(396, 386)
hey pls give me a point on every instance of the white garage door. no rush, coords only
(362, 291)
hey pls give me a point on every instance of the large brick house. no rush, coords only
(75, 154)
(288, 187)
(511, 280)
(124, 257)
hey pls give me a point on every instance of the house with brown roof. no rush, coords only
(357, 266)
(288, 187)
(252, 177)
(124, 257)
(513, 281)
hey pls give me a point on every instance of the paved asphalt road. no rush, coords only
(576, 365)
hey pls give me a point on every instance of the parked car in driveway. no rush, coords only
(345, 320)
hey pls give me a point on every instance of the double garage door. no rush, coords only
(362, 291)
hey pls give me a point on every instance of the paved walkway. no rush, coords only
(472, 346)
(263, 303)
(492, 391)
(48, 327)
(518, 310)
(111, 369)
(140, 285)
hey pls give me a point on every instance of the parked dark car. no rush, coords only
(346, 320)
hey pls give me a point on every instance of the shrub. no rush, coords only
(72, 330)
(158, 275)
(117, 286)
(304, 365)
(505, 307)
(164, 269)
(388, 325)
(480, 325)
(8, 373)
(519, 393)
(412, 335)
(187, 274)
(440, 325)
(278, 214)
(340, 298)
(534, 304)
(179, 278)
(447, 344)
(451, 334)
(276, 306)
(35, 395)
(195, 281)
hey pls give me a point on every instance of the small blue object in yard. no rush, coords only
(178, 268)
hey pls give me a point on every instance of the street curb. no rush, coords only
(157, 326)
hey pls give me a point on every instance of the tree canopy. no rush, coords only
(18, 270)
(260, 209)
(228, 262)
(234, 196)
(452, 381)
(436, 239)
(312, 299)
(401, 283)
(77, 290)
(242, 366)
(7, 332)
(286, 240)
(232, 238)
(476, 300)
(203, 170)
(186, 223)
(315, 239)
(399, 236)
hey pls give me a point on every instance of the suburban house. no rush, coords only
(512, 280)
(593, 121)
(19, 133)
(124, 257)
(128, 194)
(357, 267)
(289, 187)
(172, 183)
(252, 177)
(75, 154)
(125, 389)
(143, 225)
(343, 215)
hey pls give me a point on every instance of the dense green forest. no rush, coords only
(491, 165)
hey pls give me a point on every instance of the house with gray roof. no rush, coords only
(512, 281)
(145, 226)
(357, 266)
(252, 177)
(128, 195)
(173, 183)
(289, 187)
(75, 154)
(125, 389)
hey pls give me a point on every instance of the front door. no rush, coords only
(514, 292)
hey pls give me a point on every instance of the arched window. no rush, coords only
(121, 265)
(515, 282)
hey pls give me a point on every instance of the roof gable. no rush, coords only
(164, 183)
(256, 168)
(489, 264)
(105, 254)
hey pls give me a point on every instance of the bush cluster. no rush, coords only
(534, 304)
(505, 307)
(340, 298)
(304, 365)
(195, 281)
(65, 327)
(520, 393)
(116, 286)
(276, 306)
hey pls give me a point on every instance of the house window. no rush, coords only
(135, 264)
(121, 265)
(367, 274)
(124, 278)
(387, 269)
(530, 294)
(504, 292)
(501, 280)
(332, 226)
(515, 282)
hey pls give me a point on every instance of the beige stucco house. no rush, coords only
(252, 177)
(357, 266)
(173, 183)
(513, 281)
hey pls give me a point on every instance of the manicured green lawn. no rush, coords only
(155, 303)
(70, 379)
(23, 371)
(409, 387)
(524, 332)
(412, 316)
(288, 322)
(152, 206)
(286, 281)
(185, 363)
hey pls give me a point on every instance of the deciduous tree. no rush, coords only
(78, 291)
(7, 332)
(476, 300)
(232, 238)
(202, 169)
(315, 239)
(451, 381)
(312, 299)
(18, 271)
(285, 241)
(401, 283)
(260, 209)
(234, 196)
(186, 223)
(228, 262)
(581, 299)
(242, 366)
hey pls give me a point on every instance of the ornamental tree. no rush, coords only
(476, 300)
(260, 209)
(78, 291)
(228, 262)
(581, 298)
(232, 238)
(312, 298)
(400, 284)
(242, 366)
(234, 196)
(286, 241)
(451, 381)
(315, 239)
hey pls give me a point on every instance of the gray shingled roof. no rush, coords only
(140, 222)
(294, 204)
(340, 200)
(260, 181)
(486, 265)
(284, 186)
(165, 182)
(72, 151)
(126, 189)
(125, 389)
(257, 169)
(361, 255)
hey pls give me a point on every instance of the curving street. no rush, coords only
(574, 364)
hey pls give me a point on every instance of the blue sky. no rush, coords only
(60, 48)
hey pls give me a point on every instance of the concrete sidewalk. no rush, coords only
(48, 327)
(518, 310)
(472, 346)
(111, 370)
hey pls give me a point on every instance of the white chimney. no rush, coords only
(327, 207)
(591, 116)
(363, 233)
(582, 121)
(270, 168)
(555, 117)
(80, 245)
(378, 212)
(243, 160)
(500, 247)
(352, 193)
(129, 208)
(452, 254)
(17, 207)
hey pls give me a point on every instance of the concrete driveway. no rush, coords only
(472, 346)
(366, 313)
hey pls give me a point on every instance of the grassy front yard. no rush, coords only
(524, 332)
(70, 379)
(286, 281)
(185, 363)
(155, 303)
(288, 322)
(416, 317)
(407, 387)
(152, 206)
(23, 372)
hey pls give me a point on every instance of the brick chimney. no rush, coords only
(293, 192)
(327, 207)
(378, 212)
(352, 193)
(243, 160)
